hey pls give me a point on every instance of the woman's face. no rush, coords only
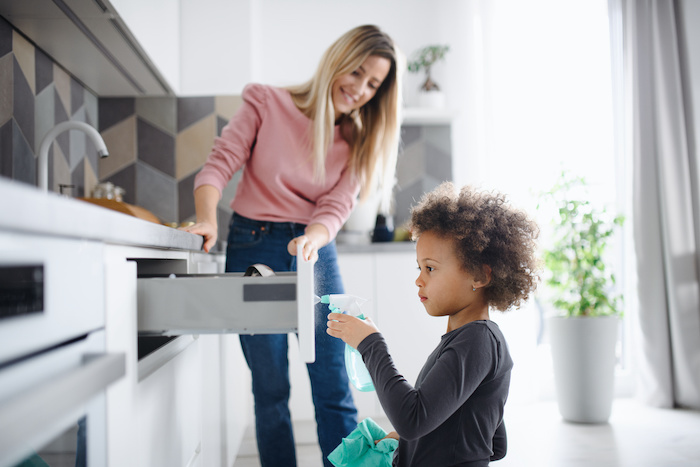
(355, 89)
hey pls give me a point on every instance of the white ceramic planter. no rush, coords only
(358, 228)
(583, 354)
(431, 99)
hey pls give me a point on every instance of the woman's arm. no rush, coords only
(206, 197)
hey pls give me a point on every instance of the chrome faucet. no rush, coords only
(43, 162)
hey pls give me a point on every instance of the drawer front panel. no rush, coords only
(224, 303)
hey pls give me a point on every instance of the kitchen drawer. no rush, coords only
(178, 304)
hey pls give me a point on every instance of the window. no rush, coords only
(543, 102)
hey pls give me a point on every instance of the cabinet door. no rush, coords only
(359, 278)
(410, 332)
(169, 410)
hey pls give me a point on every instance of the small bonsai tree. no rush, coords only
(424, 59)
(575, 262)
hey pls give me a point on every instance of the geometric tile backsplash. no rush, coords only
(156, 144)
(35, 95)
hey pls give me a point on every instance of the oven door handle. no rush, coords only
(25, 419)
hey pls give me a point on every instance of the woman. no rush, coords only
(308, 151)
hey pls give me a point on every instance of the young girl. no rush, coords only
(474, 253)
(307, 150)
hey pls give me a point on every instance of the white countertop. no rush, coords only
(24, 208)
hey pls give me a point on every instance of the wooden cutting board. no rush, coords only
(125, 208)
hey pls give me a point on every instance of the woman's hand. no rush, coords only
(309, 247)
(207, 230)
(392, 435)
(205, 199)
(349, 329)
(315, 237)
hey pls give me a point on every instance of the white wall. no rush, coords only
(216, 47)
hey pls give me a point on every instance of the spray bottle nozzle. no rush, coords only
(344, 303)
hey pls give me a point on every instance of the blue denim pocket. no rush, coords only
(244, 234)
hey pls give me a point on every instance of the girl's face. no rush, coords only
(355, 89)
(444, 288)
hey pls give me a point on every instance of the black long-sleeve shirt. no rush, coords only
(454, 414)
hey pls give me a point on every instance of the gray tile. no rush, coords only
(76, 95)
(438, 164)
(77, 143)
(91, 108)
(44, 114)
(23, 104)
(155, 147)
(23, 161)
(77, 178)
(5, 37)
(220, 124)
(185, 198)
(411, 164)
(411, 133)
(193, 109)
(156, 192)
(439, 136)
(6, 149)
(113, 110)
(43, 70)
(60, 115)
(160, 112)
(6, 88)
(405, 198)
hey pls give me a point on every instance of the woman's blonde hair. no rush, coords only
(373, 131)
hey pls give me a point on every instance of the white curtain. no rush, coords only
(666, 201)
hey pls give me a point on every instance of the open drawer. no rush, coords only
(177, 304)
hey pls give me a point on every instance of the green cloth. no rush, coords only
(33, 461)
(359, 450)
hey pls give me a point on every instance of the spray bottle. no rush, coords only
(357, 371)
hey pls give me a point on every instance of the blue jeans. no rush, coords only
(251, 242)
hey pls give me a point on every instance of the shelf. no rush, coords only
(427, 116)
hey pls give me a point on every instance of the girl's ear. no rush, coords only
(485, 276)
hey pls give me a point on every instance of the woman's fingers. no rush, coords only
(206, 230)
(309, 248)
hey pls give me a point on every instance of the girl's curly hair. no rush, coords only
(486, 231)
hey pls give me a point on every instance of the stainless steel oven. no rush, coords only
(53, 365)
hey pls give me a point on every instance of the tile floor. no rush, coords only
(636, 436)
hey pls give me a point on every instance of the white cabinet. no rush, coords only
(161, 43)
(185, 403)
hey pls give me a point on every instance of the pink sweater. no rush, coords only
(268, 135)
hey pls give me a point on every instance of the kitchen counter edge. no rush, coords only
(27, 209)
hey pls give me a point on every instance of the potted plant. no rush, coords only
(583, 335)
(423, 60)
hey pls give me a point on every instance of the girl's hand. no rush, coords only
(207, 230)
(349, 329)
(392, 435)
(309, 248)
